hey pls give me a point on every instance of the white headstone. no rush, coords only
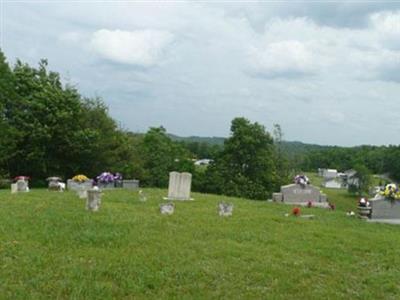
(93, 200)
(22, 186)
(167, 209)
(142, 196)
(225, 209)
(82, 194)
(179, 186)
(14, 188)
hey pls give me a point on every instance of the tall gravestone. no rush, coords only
(179, 186)
(14, 188)
(93, 200)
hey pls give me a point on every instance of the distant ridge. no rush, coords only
(291, 148)
(199, 139)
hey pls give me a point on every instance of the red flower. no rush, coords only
(21, 178)
(296, 211)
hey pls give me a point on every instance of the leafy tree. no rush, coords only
(160, 156)
(363, 180)
(246, 166)
(49, 129)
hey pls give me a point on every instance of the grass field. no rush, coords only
(51, 247)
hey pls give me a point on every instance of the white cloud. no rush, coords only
(286, 58)
(298, 46)
(387, 27)
(140, 47)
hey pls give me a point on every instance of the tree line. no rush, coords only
(49, 129)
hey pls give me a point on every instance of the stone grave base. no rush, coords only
(305, 204)
(175, 199)
(385, 221)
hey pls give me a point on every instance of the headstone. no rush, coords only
(179, 186)
(142, 196)
(225, 209)
(82, 193)
(167, 209)
(130, 184)
(302, 195)
(55, 186)
(295, 193)
(93, 199)
(382, 208)
(14, 188)
(75, 185)
(22, 186)
(277, 197)
(106, 185)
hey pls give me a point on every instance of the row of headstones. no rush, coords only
(224, 209)
(127, 184)
(22, 185)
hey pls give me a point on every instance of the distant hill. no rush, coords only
(297, 148)
(291, 148)
(190, 139)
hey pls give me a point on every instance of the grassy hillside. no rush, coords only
(51, 247)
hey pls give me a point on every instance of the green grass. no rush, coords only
(51, 247)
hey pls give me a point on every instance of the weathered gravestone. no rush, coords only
(301, 195)
(14, 188)
(179, 186)
(130, 184)
(82, 192)
(167, 209)
(385, 209)
(75, 185)
(225, 209)
(93, 199)
(142, 196)
(20, 186)
(56, 186)
(106, 185)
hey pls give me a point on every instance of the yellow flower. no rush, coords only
(80, 178)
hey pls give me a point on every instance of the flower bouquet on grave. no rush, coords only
(108, 179)
(24, 178)
(302, 180)
(391, 192)
(80, 178)
(118, 179)
(105, 177)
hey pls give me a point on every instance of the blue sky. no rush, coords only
(328, 73)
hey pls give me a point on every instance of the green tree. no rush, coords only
(160, 156)
(246, 166)
(51, 130)
(363, 180)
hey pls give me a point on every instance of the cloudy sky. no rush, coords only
(328, 73)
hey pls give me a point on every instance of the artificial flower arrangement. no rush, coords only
(108, 177)
(391, 192)
(301, 179)
(80, 178)
(25, 178)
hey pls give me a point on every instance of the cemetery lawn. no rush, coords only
(51, 247)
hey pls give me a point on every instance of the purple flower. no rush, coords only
(107, 177)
